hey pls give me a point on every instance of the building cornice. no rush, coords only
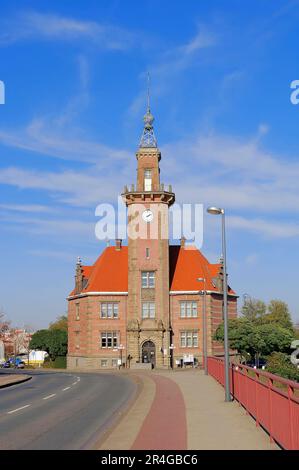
(86, 294)
(179, 292)
(172, 292)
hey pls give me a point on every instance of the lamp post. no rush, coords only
(171, 348)
(121, 348)
(219, 211)
(204, 325)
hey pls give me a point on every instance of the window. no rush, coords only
(148, 279)
(189, 339)
(114, 362)
(109, 339)
(147, 253)
(109, 310)
(77, 311)
(104, 363)
(147, 180)
(188, 309)
(148, 309)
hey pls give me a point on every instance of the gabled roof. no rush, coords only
(110, 272)
(186, 265)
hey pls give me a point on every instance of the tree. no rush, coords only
(253, 339)
(53, 341)
(280, 364)
(254, 310)
(272, 337)
(58, 343)
(239, 331)
(278, 313)
(59, 324)
(4, 324)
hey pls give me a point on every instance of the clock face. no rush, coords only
(147, 216)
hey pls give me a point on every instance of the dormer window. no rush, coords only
(147, 179)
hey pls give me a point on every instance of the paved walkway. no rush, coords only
(184, 410)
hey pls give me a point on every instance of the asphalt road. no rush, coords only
(60, 410)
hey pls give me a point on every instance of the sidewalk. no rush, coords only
(184, 410)
(6, 379)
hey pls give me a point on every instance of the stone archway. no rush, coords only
(148, 353)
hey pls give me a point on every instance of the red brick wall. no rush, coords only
(179, 323)
(90, 325)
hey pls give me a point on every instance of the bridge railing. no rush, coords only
(271, 400)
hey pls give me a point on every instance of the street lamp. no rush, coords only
(204, 325)
(121, 348)
(219, 211)
(171, 348)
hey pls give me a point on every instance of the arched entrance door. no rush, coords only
(149, 353)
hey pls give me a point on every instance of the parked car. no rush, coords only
(5, 365)
(15, 362)
(260, 364)
(20, 365)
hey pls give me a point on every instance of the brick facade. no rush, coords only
(163, 337)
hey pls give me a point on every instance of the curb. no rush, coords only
(19, 381)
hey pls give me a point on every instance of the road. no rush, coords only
(60, 410)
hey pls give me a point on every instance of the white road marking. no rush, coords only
(65, 388)
(17, 409)
(74, 383)
(49, 396)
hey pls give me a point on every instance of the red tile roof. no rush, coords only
(186, 266)
(110, 271)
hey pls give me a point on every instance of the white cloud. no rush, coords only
(59, 227)
(233, 173)
(201, 40)
(31, 208)
(172, 62)
(34, 25)
(75, 188)
(41, 136)
(264, 227)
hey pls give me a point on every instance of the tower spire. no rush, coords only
(148, 92)
(148, 138)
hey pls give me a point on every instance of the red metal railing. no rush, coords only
(270, 399)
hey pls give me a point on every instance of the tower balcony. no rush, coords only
(161, 193)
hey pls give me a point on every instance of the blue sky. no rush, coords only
(75, 77)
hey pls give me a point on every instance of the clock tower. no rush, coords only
(148, 201)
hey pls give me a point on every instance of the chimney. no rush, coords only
(79, 276)
(183, 242)
(118, 244)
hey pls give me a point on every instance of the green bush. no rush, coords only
(279, 363)
(58, 363)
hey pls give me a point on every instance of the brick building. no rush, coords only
(142, 304)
